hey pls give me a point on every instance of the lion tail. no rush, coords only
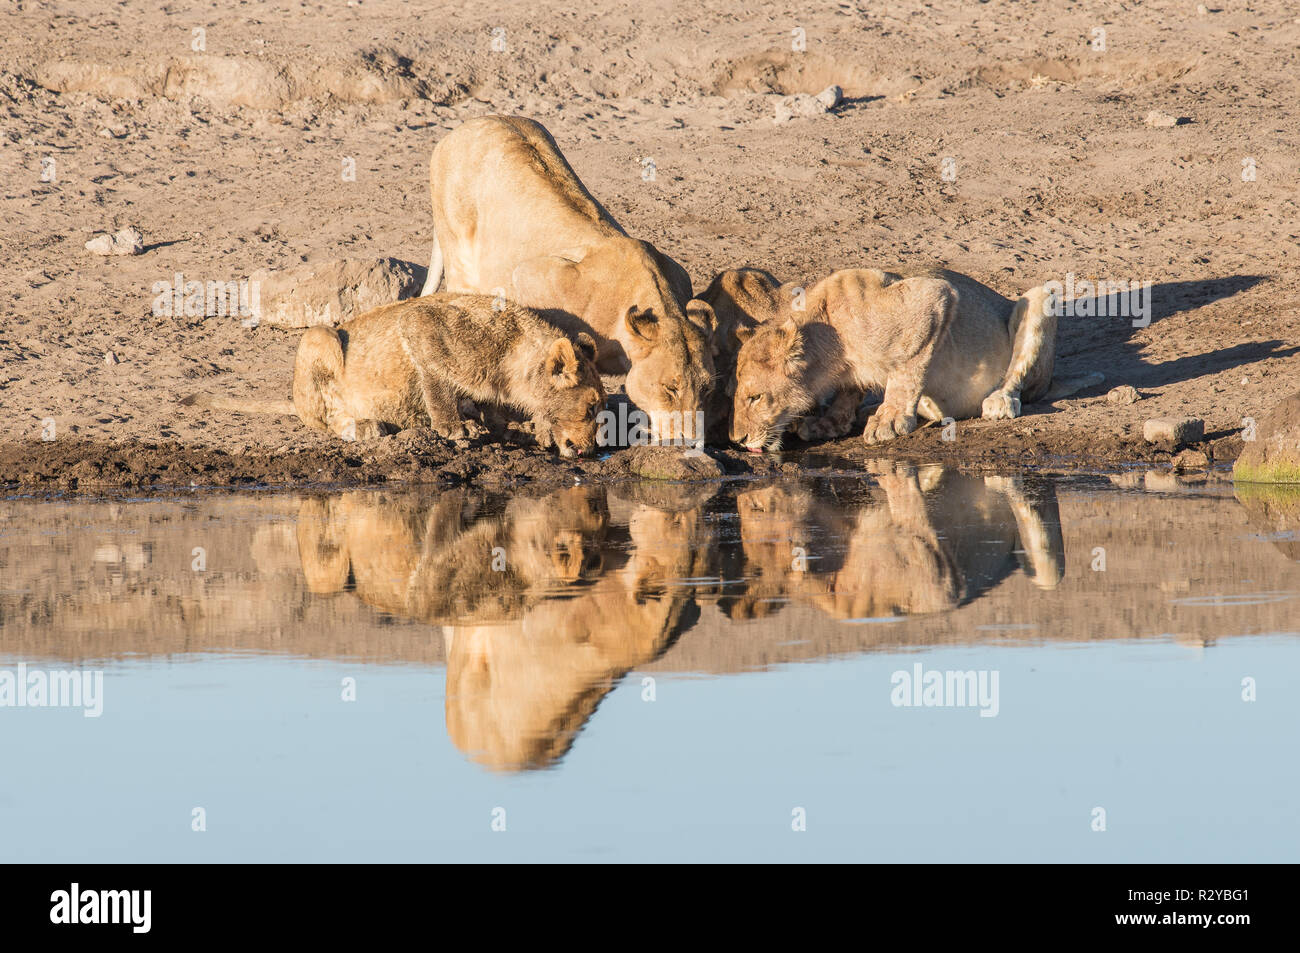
(434, 277)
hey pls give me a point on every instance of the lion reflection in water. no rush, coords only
(577, 598)
(928, 540)
(546, 603)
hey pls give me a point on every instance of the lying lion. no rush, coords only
(408, 364)
(939, 345)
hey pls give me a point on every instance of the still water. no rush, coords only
(902, 665)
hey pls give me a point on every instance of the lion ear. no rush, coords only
(643, 324)
(790, 345)
(678, 280)
(562, 363)
(700, 313)
(586, 345)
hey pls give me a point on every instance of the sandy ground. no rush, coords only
(230, 159)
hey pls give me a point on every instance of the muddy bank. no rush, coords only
(75, 466)
(412, 458)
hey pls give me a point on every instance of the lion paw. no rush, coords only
(370, 430)
(358, 430)
(813, 429)
(461, 430)
(886, 424)
(1000, 405)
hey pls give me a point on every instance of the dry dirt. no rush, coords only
(231, 158)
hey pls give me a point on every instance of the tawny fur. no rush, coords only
(408, 364)
(531, 647)
(857, 330)
(512, 218)
(926, 542)
(994, 356)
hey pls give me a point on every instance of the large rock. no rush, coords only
(1274, 455)
(1170, 433)
(655, 462)
(333, 292)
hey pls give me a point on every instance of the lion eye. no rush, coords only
(755, 398)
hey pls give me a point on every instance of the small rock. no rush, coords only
(1124, 394)
(112, 132)
(802, 104)
(1169, 433)
(127, 241)
(1163, 120)
(110, 358)
(101, 244)
(1190, 460)
(830, 97)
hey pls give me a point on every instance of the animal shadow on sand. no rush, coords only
(1108, 343)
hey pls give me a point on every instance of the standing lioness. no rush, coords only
(408, 364)
(511, 218)
(862, 330)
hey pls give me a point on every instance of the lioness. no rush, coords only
(511, 218)
(408, 364)
(859, 330)
(864, 329)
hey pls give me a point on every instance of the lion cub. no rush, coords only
(408, 364)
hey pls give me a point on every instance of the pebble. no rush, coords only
(1124, 394)
(1190, 460)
